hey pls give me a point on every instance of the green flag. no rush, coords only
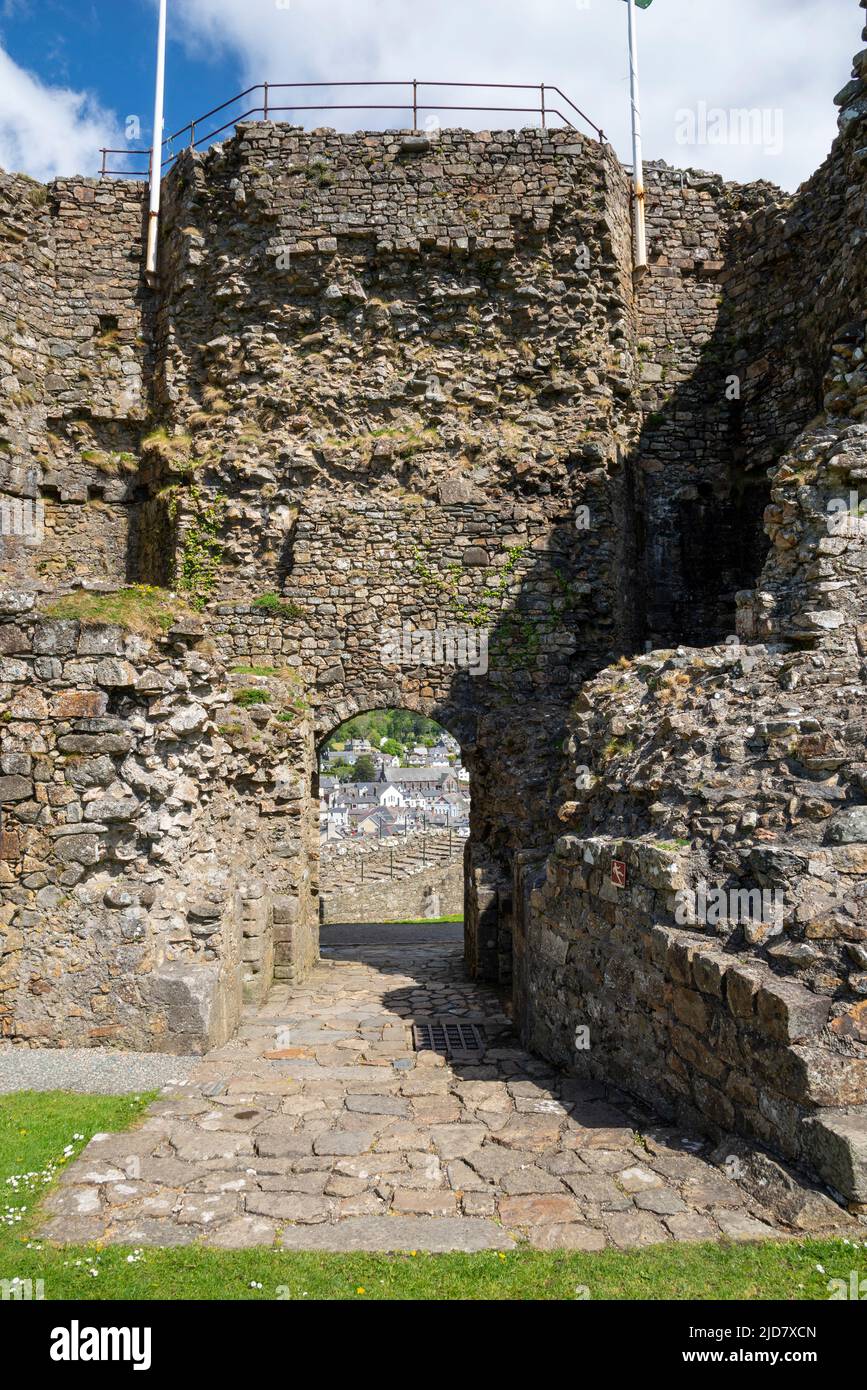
(644, 4)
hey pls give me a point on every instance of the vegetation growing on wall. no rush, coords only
(138, 608)
(200, 550)
(251, 695)
(273, 603)
(517, 636)
(447, 582)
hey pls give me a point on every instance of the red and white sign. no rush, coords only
(618, 873)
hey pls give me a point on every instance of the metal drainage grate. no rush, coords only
(447, 1036)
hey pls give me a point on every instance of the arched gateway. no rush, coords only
(398, 429)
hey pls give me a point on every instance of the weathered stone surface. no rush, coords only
(634, 1228)
(530, 1180)
(349, 1142)
(206, 1209)
(849, 827)
(638, 1179)
(251, 1162)
(661, 1201)
(387, 1233)
(594, 1190)
(15, 788)
(289, 1206)
(457, 1141)
(530, 1132)
(204, 1145)
(576, 514)
(243, 1233)
(737, 1225)
(836, 1143)
(423, 1202)
(538, 1210)
(377, 1105)
(571, 1237)
(690, 1226)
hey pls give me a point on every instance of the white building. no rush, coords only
(391, 795)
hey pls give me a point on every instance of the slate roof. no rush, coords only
(418, 774)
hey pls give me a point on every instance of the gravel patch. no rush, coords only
(89, 1070)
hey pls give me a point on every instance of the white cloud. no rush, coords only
(789, 56)
(46, 131)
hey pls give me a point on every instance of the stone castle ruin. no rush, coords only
(391, 381)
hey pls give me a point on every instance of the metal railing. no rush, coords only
(190, 137)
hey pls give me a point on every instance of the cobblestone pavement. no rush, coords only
(319, 1127)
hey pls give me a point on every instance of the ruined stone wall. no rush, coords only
(747, 290)
(74, 364)
(436, 891)
(738, 768)
(700, 779)
(157, 855)
(694, 494)
(351, 861)
(712, 1035)
(399, 878)
(393, 368)
(390, 382)
(713, 776)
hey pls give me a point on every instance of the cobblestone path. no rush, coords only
(319, 1127)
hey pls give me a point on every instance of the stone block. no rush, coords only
(709, 973)
(835, 1143)
(849, 827)
(28, 703)
(57, 637)
(78, 704)
(690, 1007)
(814, 1075)
(680, 961)
(553, 946)
(285, 910)
(741, 985)
(100, 640)
(79, 848)
(788, 1012)
(15, 789)
(198, 1005)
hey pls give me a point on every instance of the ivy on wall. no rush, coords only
(447, 583)
(518, 636)
(200, 551)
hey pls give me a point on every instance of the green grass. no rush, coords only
(273, 603)
(251, 696)
(172, 449)
(36, 1128)
(138, 608)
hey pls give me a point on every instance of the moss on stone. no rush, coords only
(139, 608)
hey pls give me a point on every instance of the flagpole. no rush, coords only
(640, 266)
(156, 149)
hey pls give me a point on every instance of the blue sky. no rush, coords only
(105, 48)
(73, 71)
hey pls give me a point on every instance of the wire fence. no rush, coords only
(272, 105)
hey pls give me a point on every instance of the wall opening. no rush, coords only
(394, 821)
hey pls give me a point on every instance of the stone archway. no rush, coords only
(506, 706)
(400, 858)
(487, 884)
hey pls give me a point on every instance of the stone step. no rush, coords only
(439, 1234)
